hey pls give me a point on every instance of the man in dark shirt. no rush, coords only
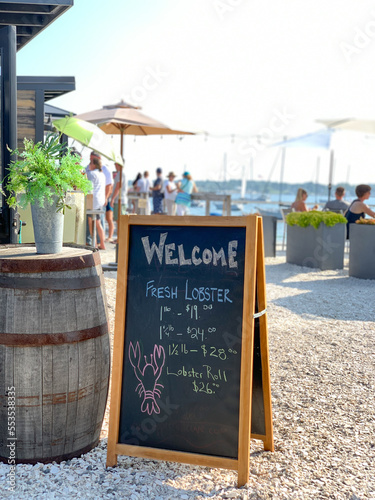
(157, 193)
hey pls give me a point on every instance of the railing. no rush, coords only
(141, 200)
(208, 197)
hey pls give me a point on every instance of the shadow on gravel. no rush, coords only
(333, 296)
(278, 273)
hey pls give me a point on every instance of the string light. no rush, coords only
(233, 137)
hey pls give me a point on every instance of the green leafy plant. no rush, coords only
(43, 172)
(314, 218)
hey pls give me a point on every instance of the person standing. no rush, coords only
(338, 203)
(183, 198)
(170, 193)
(108, 216)
(144, 186)
(135, 189)
(120, 175)
(157, 192)
(98, 180)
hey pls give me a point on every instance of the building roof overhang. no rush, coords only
(53, 86)
(30, 17)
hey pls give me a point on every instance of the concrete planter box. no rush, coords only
(362, 251)
(269, 235)
(322, 248)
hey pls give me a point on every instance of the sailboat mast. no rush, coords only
(317, 178)
(243, 182)
(282, 170)
(330, 177)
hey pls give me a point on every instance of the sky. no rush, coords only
(241, 73)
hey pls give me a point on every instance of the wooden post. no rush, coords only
(207, 208)
(247, 351)
(262, 305)
(118, 344)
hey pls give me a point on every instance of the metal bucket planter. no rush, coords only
(362, 251)
(321, 248)
(269, 235)
(48, 228)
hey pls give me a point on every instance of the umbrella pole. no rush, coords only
(113, 265)
(119, 193)
(120, 182)
(283, 152)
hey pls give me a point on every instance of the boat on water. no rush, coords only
(197, 203)
(270, 212)
(233, 206)
(261, 197)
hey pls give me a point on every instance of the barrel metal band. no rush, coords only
(41, 339)
(34, 283)
(33, 263)
(259, 314)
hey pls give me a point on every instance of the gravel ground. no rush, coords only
(322, 352)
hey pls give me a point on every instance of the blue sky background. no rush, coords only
(236, 69)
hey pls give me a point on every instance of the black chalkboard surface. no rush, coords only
(181, 379)
(189, 360)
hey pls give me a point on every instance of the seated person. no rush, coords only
(299, 204)
(358, 208)
(338, 203)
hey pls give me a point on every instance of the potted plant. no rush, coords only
(41, 175)
(362, 249)
(316, 239)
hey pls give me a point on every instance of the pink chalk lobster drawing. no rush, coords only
(148, 376)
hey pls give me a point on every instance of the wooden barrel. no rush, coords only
(54, 353)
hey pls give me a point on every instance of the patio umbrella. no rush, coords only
(353, 124)
(89, 135)
(124, 119)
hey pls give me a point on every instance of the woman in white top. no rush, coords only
(170, 193)
(120, 175)
(98, 180)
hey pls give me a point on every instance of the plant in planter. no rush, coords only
(316, 239)
(369, 222)
(41, 176)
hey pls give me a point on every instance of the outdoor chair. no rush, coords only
(284, 213)
(335, 210)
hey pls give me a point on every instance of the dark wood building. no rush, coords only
(33, 92)
(20, 22)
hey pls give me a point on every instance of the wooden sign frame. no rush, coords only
(254, 285)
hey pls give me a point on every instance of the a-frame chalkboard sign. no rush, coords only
(190, 377)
